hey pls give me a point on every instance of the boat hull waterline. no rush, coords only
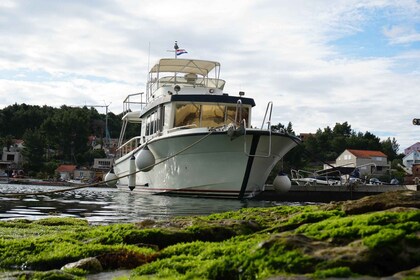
(217, 166)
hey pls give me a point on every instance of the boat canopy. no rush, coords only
(193, 66)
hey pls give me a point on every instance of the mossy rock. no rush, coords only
(377, 236)
(382, 201)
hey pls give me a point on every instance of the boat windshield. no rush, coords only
(207, 115)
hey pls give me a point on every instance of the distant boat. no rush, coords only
(337, 176)
(78, 181)
(194, 139)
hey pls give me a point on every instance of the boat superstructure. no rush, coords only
(191, 138)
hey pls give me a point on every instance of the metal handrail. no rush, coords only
(127, 102)
(238, 105)
(129, 146)
(255, 155)
(269, 107)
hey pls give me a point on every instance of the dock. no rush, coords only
(326, 193)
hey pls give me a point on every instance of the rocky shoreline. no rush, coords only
(376, 237)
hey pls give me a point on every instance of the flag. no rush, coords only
(180, 51)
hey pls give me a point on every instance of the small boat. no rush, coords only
(193, 138)
(337, 176)
(79, 181)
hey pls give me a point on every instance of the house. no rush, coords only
(414, 147)
(69, 171)
(368, 162)
(66, 171)
(11, 157)
(83, 173)
(101, 166)
(414, 177)
(412, 158)
(305, 136)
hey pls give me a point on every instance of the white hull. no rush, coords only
(214, 167)
(199, 137)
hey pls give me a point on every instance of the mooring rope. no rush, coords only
(112, 180)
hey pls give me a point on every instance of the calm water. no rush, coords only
(106, 205)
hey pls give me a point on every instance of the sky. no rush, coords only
(320, 62)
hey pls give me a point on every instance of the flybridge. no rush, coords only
(173, 76)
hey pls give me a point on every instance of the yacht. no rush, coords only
(192, 139)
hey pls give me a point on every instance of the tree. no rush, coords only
(343, 129)
(34, 150)
(390, 148)
(7, 141)
(16, 119)
(67, 130)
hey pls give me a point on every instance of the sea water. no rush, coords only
(107, 205)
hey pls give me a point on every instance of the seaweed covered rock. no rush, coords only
(383, 201)
(376, 236)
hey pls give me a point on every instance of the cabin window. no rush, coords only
(231, 114)
(207, 115)
(212, 115)
(148, 125)
(152, 123)
(187, 114)
(162, 118)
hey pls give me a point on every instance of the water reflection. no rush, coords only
(106, 205)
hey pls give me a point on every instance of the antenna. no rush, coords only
(176, 48)
(148, 59)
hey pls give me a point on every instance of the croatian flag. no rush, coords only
(180, 51)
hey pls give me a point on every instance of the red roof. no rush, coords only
(366, 153)
(66, 168)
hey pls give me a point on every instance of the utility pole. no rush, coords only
(107, 135)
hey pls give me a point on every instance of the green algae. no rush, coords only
(315, 241)
(364, 225)
(336, 272)
(50, 244)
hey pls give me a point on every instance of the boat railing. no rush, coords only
(155, 84)
(129, 146)
(255, 154)
(345, 179)
(268, 111)
(316, 177)
(297, 174)
(238, 112)
(127, 103)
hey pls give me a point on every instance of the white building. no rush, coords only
(368, 162)
(412, 158)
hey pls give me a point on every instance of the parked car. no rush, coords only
(375, 181)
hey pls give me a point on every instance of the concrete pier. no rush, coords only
(326, 194)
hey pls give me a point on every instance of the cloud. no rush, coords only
(89, 52)
(401, 34)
